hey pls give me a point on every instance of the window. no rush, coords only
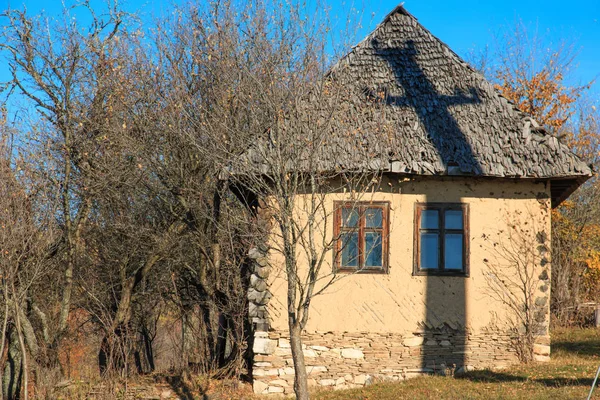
(441, 239)
(361, 232)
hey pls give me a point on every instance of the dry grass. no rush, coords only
(569, 375)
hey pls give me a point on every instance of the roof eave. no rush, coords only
(573, 183)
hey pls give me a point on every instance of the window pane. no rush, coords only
(373, 249)
(453, 249)
(349, 217)
(374, 217)
(430, 250)
(454, 219)
(349, 249)
(429, 219)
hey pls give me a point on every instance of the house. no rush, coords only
(468, 174)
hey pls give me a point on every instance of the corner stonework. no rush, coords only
(258, 298)
(258, 291)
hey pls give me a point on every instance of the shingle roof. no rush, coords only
(447, 114)
(446, 118)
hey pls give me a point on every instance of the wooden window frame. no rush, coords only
(442, 208)
(361, 230)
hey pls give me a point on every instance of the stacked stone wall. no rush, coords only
(258, 292)
(349, 360)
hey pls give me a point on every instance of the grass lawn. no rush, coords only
(575, 359)
(569, 375)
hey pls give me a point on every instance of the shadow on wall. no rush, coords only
(444, 327)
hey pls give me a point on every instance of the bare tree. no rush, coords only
(26, 239)
(145, 141)
(518, 277)
(534, 74)
(272, 114)
(57, 74)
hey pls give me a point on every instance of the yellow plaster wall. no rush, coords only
(402, 303)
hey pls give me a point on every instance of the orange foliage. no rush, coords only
(78, 355)
(543, 95)
(585, 138)
(585, 241)
(535, 80)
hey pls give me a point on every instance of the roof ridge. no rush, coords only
(399, 8)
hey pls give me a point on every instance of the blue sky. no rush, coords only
(470, 25)
(465, 25)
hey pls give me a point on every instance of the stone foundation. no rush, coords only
(348, 360)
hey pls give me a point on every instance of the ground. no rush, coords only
(569, 375)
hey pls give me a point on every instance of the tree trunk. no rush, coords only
(209, 338)
(12, 377)
(300, 378)
(24, 363)
(144, 352)
(221, 349)
(3, 343)
(112, 357)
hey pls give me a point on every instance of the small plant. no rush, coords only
(517, 276)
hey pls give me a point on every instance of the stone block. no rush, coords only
(260, 298)
(259, 387)
(411, 375)
(327, 382)
(540, 358)
(258, 283)
(278, 382)
(360, 379)
(420, 370)
(543, 340)
(413, 341)
(352, 353)
(282, 352)
(310, 353)
(255, 253)
(262, 272)
(263, 345)
(262, 364)
(272, 372)
(262, 261)
(319, 348)
(464, 369)
(316, 369)
(541, 349)
(284, 343)
(261, 324)
(276, 389)
(286, 371)
(259, 312)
